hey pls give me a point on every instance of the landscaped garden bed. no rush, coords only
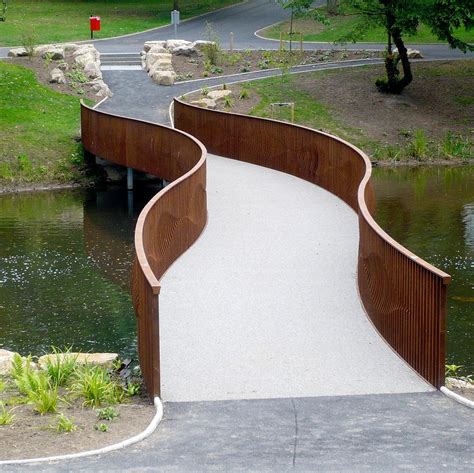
(63, 404)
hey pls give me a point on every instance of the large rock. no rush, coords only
(149, 44)
(57, 76)
(6, 358)
(54, 51)
(201, 44)
(157, 49)
(162, 59)
(205, 103)
(411, 53)
(217, 95)
(17, 52)
(184, 51)
(92, 70)
(177, 43)
(164, 77)
(102, 359)
(101, 88)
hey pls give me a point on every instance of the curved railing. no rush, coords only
(171, 221)
(404, 296)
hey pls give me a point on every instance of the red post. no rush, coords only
(94, 22)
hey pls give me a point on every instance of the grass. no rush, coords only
(58, 21)
(37, 130)
(60, 366)
(63, 424)
(6, 415)
(340, 25)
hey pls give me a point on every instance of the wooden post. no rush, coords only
(281, 41)
(292, 108)
(231, 41)
(301, 43)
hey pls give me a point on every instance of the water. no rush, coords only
(431, 212)
(65, 260)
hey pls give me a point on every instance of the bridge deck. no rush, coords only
(265, 304)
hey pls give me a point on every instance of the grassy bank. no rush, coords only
(340, 25)
(57, 21)
(37, 131)
(431, 121)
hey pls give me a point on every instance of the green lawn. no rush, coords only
(58, 21)
(37, 130)
(341, 25)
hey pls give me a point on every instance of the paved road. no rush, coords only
(376, 433)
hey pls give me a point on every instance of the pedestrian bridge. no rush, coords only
(284, 286)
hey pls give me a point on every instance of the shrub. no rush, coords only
(244, 94)
(418, 145)
(212, 50)
(61, 365)
(107, 413)
(28, 41)
(64, 424)
(101, 427)
(205, 91)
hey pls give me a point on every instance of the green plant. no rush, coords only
(63, 424)
(107, 413)
(101, 427)
(455, 146)
(28, 41)
(94, 384)
(77, 76)
(244, 94)
(24, 164)
(45, 397)
(452, 371)
(418, 146)
(48, 57)
(211, 50)
(3, 385)
(228, 102)
(224, 86)
(205, 91)
(17, 400)
(216, 70)
(60, 365)
(6, 416)
(133, 389)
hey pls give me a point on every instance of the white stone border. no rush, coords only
(457, 397)
(116, 446)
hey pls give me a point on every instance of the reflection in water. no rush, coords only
(431, 212)
(65, 261)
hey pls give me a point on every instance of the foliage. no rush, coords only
(452, 371)
(133, 389)
(45, 398)
(400, 18)
(29, 42)
(6, 416)
(212, 51)
(60, 365)
(244, 94)
(418, 145)
(95, 385)
(63, 424)
(205, 91)
(107, 413)
(101, 427)
(228, 102)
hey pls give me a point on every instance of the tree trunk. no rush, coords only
(332, 7)
(176, 5)
(402, 53)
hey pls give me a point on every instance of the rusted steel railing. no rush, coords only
(404, 296)
(171, 221)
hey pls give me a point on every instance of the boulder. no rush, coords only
(206, 103)
(83, 59)
(57, 76)
(6, 358)
(149, 44)
(101, 359)
(200, 44)
(55, 53)
(92, 70)
(164, 59)
(176, 43)
(184, 51)
(155, 49)
(17, 52)
(217, 95)
(164, 77)
(411, 53)
(70, 46)
(64, 66)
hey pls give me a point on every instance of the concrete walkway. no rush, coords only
(265, 304)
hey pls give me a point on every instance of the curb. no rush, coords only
(116, 446)
(457, 397)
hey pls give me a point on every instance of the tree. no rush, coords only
(402, 17)
(332, 7)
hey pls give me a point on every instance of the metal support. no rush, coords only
(231, 41)
(129, 179)
(130, 203)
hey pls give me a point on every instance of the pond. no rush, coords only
(65, 258)
(430, 210)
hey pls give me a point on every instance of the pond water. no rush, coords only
(431, 212)
(65, 258)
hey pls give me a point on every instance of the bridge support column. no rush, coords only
(129, 179)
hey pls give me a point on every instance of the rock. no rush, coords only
(184, 51)
(70, 46)
(57, 76)
(219, 94)
(164, 77)
(83, 59)
(17, 52)
(201, 44)
(164, 59)
(54, 53)
(155, 49)
(176, 43)
(148, 45)
(64, 66)
(460, 384)
(411, 53)
(101, 359)
(92, 70)
(206, 103)
(6, 358)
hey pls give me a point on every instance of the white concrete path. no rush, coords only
(265, 304)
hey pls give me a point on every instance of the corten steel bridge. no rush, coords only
(404, 296)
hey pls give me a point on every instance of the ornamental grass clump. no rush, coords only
(95, 385)
(61, 365)
(6, 416)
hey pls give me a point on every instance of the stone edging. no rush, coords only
(116, 446)
(457, 397)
